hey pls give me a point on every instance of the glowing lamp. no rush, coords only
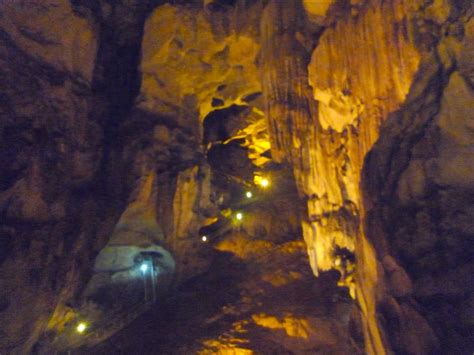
(264, 182)
(144, 268)
(81, 327)
(204, 238)
(248, 194)
(239, 216)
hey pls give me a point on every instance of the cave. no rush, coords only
(237, 177)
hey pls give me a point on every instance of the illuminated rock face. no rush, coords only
(192, 58)
(370, 67)
(360, 72)
(368, 102)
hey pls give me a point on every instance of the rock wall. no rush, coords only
(370, 66)
(62, 190)
(198, 60)
(360, 72)
(77, 151)
(420, 198)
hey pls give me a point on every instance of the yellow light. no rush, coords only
(81, 327)
(264, 182)
(248, 194)
(204, 238)
(239, 216)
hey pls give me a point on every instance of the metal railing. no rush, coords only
(106, 329)
(111, 325)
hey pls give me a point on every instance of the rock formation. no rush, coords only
(144, 129)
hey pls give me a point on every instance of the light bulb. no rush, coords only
(264, 182)
(81, 327)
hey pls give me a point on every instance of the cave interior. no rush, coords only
(237, 177)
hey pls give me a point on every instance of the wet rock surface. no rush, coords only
(263, 300)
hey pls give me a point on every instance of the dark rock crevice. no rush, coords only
(423, 241)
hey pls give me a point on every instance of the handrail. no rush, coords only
(111, 326)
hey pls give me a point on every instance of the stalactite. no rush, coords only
(290, 108)
(297, 136)
(324, 140)
(283, 68)
(361, 72)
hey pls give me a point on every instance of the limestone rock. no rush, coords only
(39, 29)
(131, 127)
(184, 56)
(61, 180)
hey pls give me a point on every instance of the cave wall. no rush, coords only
(93, 152)
(68, 75)
(376, 67)
(420, 216)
